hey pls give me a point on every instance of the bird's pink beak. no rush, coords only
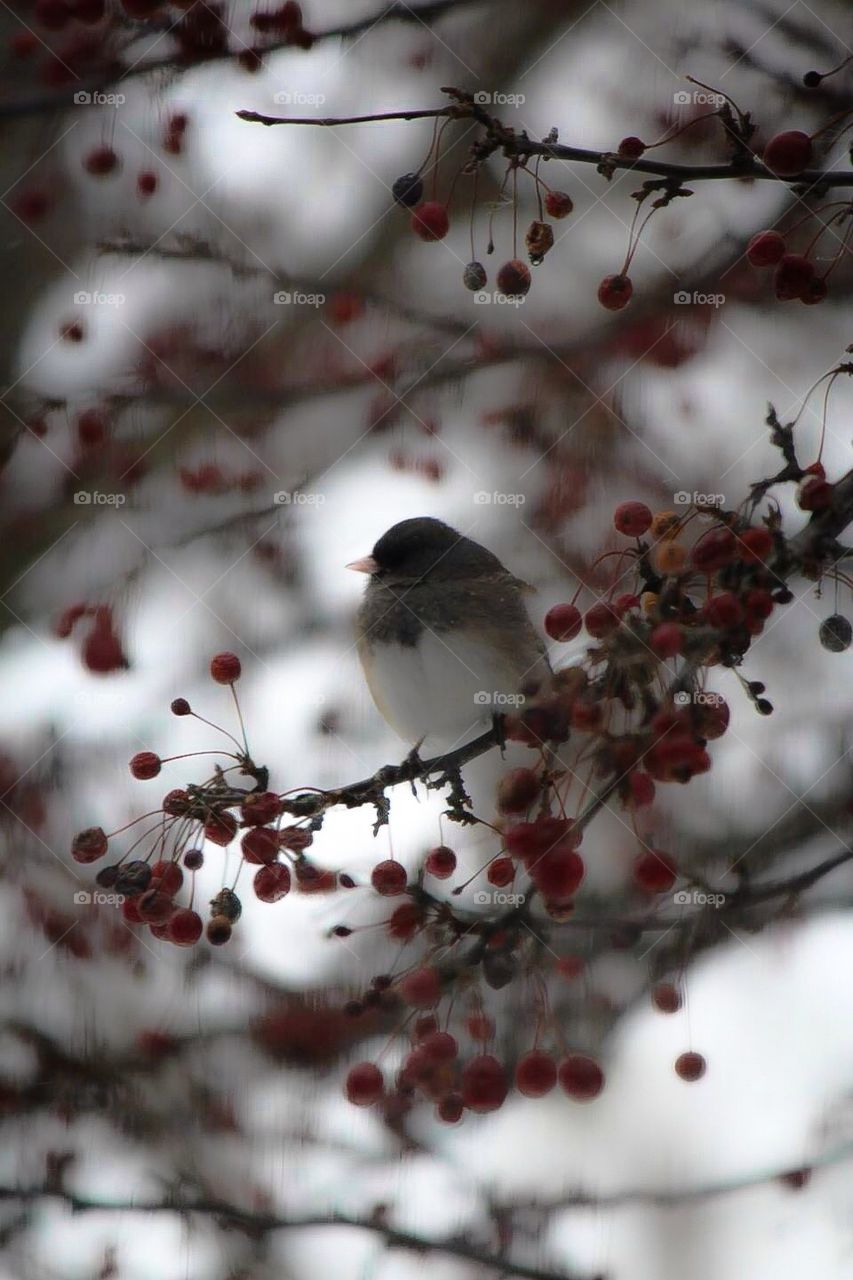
(365, 565)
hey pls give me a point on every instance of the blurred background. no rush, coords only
(228, 367)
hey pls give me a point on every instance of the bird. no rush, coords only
(443, 634)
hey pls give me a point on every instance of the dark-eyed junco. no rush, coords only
(443, 634)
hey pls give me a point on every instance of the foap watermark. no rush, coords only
(94, 498)
(83, 98)
(495, 698)
(683, 298)
(298, 498)
(296, 98)
(497, 898)
(499, 99)
(483, 297)
(699, 97)
(684, 499)
(482, 498)
(698, 898)
(83, 898)
(293, 298)
(87, 298)
(699, 698)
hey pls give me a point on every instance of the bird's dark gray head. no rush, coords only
(424, 547)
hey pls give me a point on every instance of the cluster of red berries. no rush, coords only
(795, 276)
(149, 888)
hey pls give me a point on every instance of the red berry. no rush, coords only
(724, 610)
(527, 840)
(272, 883)
(654, 871)
(557, 874)
(631, 148)
(483, 1085)
(145, 764)
(220, 828)
(405, 921)
(389, 878)
(440, 862)
(614, 292)
(146, 183)
(176, 803)
(666, 998)
(193, 859)
(690, 1066)
(154, 906)
(130, 912)
(218, 931)
(641, 790)
(225, 668)
(421, 988)
(185, 927)
(714, 551)
(439, 1046)
(765, 249)
(364, 1084)
(601, 620)
(788, 153)
(814, 292)
(180, 707)
(91, 428)
(755, 544)
(31, 206)
(580, 1077)
(518, 790)
(558, 204)
(260, 846)
(513, 279)
(101, 161)
(501, 872)
(424, 1026)
(535, 1074)
(89, 845)
(430, 221)
(168, 875)
(72, 331)
(563, 622)
(632, 518)
(794, 273)
(667, 640)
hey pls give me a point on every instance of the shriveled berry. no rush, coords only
(89, 845)
(193, 859)
(408, 190)
(563, 622)
(474, 276)
(133, 878)
(513, 279)
(176, 803)
(364, 1084)
(538, 239)
(836, 633)
(272, 883)
(260, 846)
(430, 221)
(168, 876)
(614, 292)
(145, 764)
(226, 903)
(225, 668)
